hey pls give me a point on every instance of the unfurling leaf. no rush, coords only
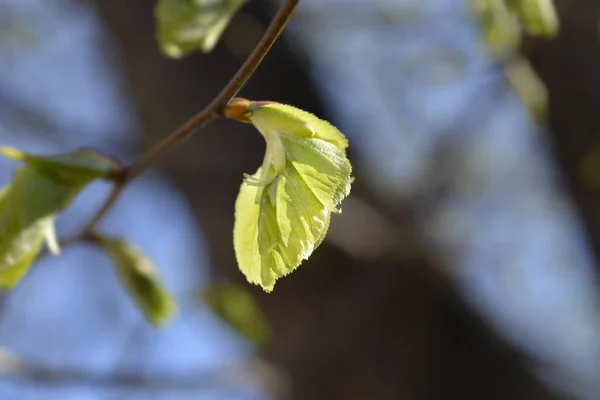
(140, 279)
(282, 211)
(28, 205)
(184, 26)
(236, 306)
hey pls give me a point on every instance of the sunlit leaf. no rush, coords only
(140, 279)
(282, 212)
(40, 188)
(184, 26)
(236, 306)
(295, 122)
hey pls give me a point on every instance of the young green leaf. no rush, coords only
(236, 306)
(184, 26)
(140, 279)
(282, 212)
(28, 205)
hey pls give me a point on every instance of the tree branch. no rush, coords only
(227, 93)
(207, 114)
(15, 369)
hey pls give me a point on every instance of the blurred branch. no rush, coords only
(13, 109)
(13, 368)
(206, 115)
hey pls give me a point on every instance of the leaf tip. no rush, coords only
(171, 50)
(12, 153)
(167, 313)
(268, 288)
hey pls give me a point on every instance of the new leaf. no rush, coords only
(282, 215)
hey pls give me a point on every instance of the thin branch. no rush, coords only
(234, 378)
(207, 114)
(216, 106)
(110, 200)
(13, 369)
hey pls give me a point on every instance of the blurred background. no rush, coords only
(464, 265)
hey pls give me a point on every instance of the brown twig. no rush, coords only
(17, 369)
(112, 197)
(207, 114)
(227, 93)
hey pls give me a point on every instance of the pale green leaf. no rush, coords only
(291, 219)
(141, 280)
(245, 233)
(236, 306)
(184, 26)
(324, 168)
(295, 122)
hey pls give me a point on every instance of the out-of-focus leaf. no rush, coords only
(501, 22)
(76, 167)
(529, 87)
(28, 205)
(19, 245)
(184, 26)
(499, 27)
(282, 212)
(537, 16)
(140, 279)
(589, 168)
(236, 306)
